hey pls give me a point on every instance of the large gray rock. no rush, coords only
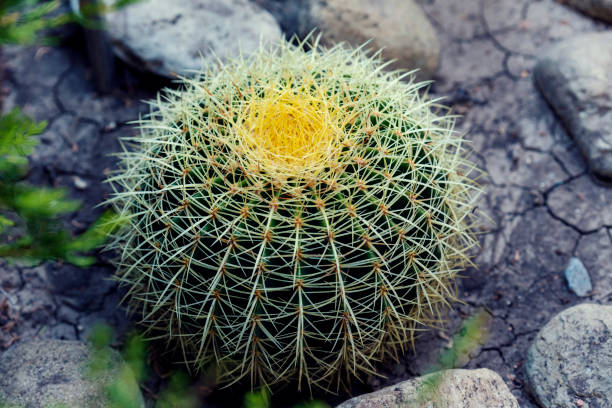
(570, 360)
(170, 37)
(575, 76)
(398, 26)
(582, 203)
(47, 373)
(444, 389)
(597, 8)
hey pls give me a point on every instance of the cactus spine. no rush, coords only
(293, 215)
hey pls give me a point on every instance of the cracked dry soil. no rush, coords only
(544, 205)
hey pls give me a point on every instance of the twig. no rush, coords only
(8, 297)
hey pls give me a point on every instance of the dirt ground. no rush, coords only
(544, 205)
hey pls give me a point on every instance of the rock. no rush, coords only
(571, 358)
(444, 389)
(398, 26)
(596, 250)
(582, 203)
(578, 278)
(45, 373)
(80, 183)
(575, 76)
(172, 39)
(601, 9)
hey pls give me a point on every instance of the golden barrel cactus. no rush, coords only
(297, 214)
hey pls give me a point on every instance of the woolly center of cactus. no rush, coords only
(290, 131)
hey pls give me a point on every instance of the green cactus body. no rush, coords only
(294, 215)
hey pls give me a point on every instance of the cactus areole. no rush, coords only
(293, 215)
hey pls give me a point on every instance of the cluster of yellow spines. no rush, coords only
(291, 130)
(293, 215)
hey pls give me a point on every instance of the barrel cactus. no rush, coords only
(297, 214)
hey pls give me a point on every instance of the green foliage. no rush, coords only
(25, 21)
(257, 399)
(135, 355)
(294, 216)
(16, 143)
(178, 393)
(312, 404)
(21, 21)
(262, 398)
(472, 334)
(31, 227)
(123, 391)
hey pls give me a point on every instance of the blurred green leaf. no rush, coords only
(100, 336)
(16, 142)
(21, 21)
(124, 391)
(312, 404)
(16, 131)
(5, 222)
(37, 233)
(135, 354)
(97, 233)
(177, 394)
(472, 333)
(42, 202)
(257, 399)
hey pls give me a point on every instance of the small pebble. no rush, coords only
(578, 278)
(110, 126)
(80, 183)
